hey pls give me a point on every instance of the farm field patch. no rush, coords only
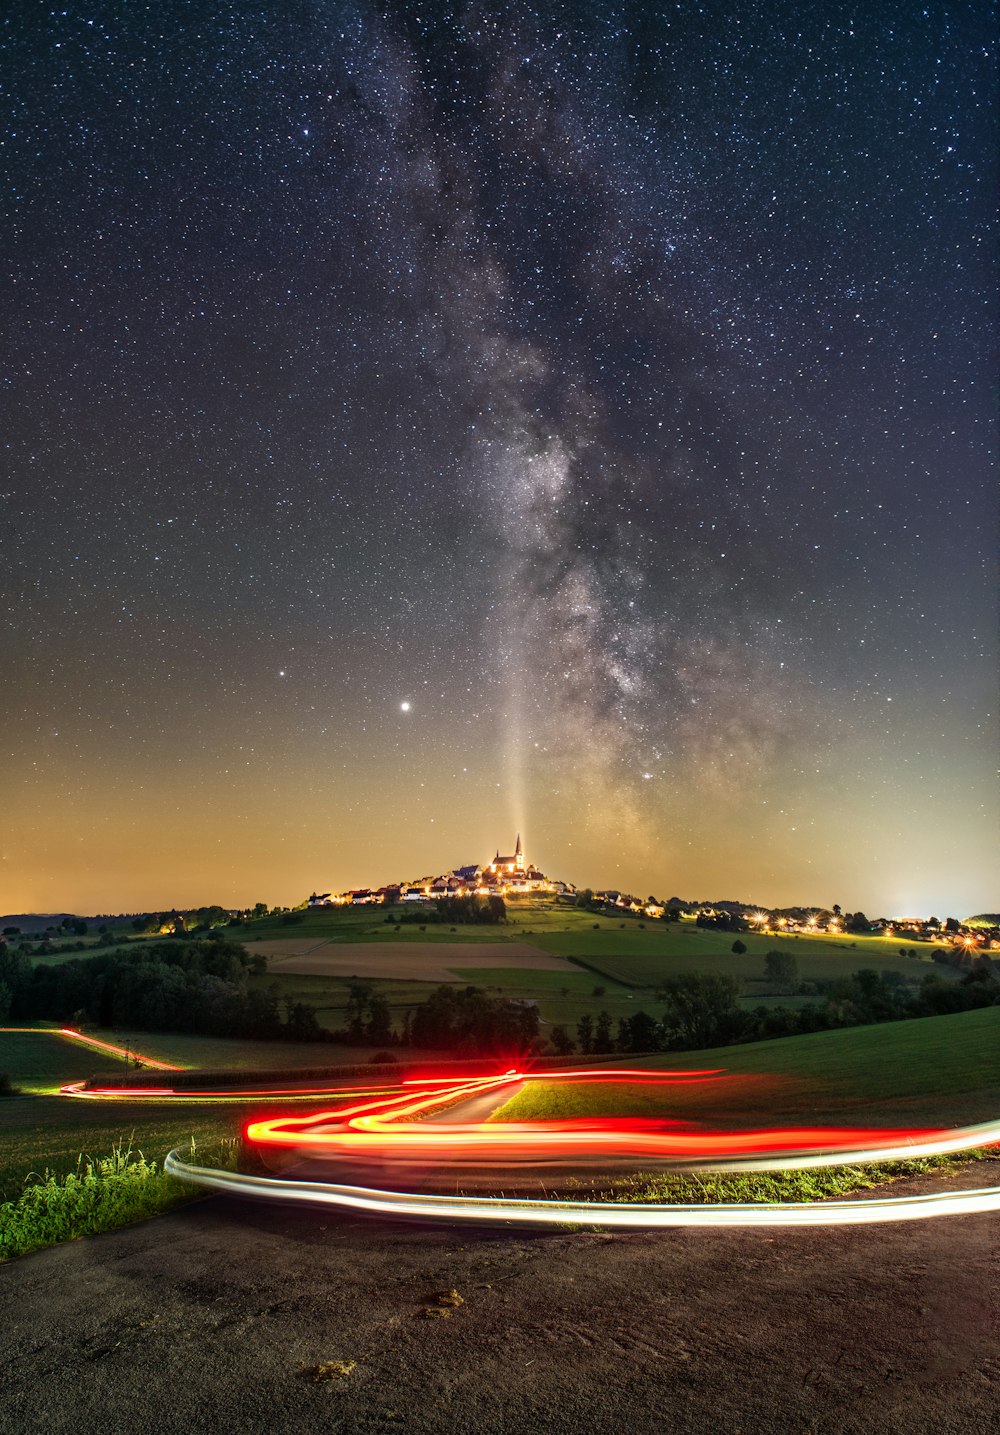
(423, 961)
(644, 956)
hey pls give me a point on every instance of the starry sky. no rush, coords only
(427, 421)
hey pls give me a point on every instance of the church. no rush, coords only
(509, 865)
(513, 873)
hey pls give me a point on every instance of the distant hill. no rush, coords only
(32, 922)
(984, 919)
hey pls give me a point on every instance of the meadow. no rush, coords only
(942, 1070)
(41, 1061)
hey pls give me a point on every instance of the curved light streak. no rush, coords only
(514, 1211)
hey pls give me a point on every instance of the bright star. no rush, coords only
(404, 707)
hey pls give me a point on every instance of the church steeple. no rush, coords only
(519, 854)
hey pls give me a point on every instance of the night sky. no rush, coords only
(613, 384)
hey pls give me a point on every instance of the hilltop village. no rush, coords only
(513, 875)
(500, 876)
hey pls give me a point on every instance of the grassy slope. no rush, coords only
(939, 1070)
(41, 1062)
(644, 956)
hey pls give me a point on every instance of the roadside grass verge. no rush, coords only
(101, 1194)
(712, 1188)
(47, 1134)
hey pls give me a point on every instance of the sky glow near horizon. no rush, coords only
(426, 423)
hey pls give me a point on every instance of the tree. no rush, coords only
(302, 1023)
(642, 1032)
(738, 947)
(700, 1010)
(562, 1041)
(602, 1034)
(585, 1033)
(781, 968)
(378, 1028)
(359, 997)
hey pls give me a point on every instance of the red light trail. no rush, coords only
(381, 1127)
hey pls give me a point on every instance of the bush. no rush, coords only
(738, 947)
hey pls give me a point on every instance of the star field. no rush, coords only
(427, 421)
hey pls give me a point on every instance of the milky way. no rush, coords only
(610, 383)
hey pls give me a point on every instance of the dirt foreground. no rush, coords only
(216, 1318)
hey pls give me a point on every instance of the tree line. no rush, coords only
(186, 986)
(703, 1011)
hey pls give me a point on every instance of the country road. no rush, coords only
(215, 1318)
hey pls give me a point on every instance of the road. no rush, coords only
(214, 1317)
(476, 1108)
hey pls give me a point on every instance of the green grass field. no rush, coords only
(40, 1064)
(645, 956)
(41, 1061)
(942, 1070)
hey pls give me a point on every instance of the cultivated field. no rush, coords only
(408, 961)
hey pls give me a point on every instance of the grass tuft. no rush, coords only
(100, 1195)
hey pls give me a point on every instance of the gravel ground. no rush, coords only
(218, 1316)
